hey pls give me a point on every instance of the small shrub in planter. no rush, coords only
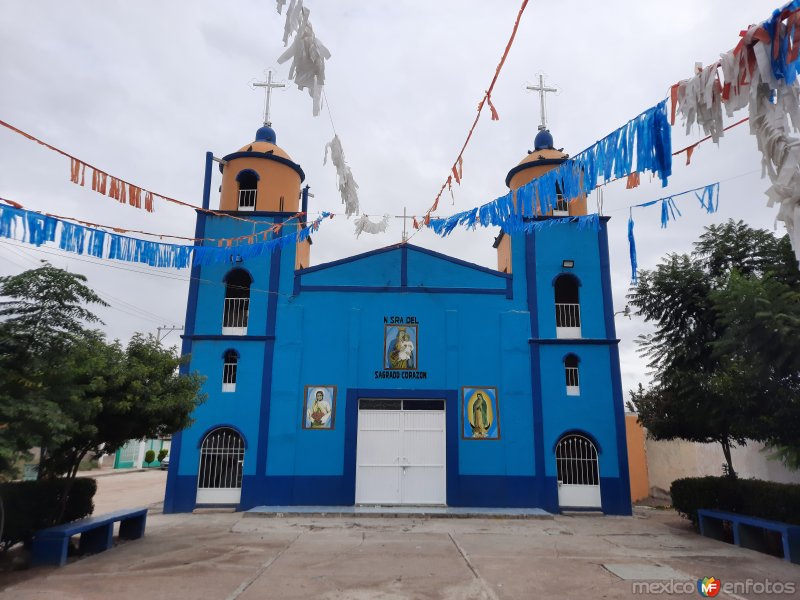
(162, 454)
(149, 457)
(33, 505)
(752, 497)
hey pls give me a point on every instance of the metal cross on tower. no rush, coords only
(268, 84)
(542, 91)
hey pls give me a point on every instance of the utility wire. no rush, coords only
(106, 263)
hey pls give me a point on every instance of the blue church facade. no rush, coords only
(511, 403)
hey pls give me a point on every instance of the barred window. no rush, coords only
(571, 374)
(229, 366)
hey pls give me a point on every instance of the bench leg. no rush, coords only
(791, 546)
(133, 528)
(97, 539)
(713, 528)
(49, 551)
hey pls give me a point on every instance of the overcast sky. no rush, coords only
(143, 89)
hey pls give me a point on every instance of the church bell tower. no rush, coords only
(543, 158)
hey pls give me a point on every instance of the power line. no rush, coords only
(104, 263)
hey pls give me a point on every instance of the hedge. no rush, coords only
(752, 497)
(33, 505)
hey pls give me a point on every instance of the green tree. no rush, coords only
(71, 392)
(47, 307)
(724, 351)
(42, 320)
(120, 394)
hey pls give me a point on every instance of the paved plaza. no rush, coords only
(221, 555)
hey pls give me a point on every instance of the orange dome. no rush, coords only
(265, 148)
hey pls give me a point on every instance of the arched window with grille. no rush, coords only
(572, 375)
(568, 308)
(236, 309)
(578, 472)
(248, 189)
(219, 479)
(230, 363)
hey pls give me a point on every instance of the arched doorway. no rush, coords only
(578, 472)
(219, 479)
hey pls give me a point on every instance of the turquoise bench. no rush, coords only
(748, 531)
(50, 545)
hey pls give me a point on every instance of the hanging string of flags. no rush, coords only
(364, 225)
(248, 238)
(348, 188)
(308, 56)
(37, 229)
(456, 171)
(204, 255)
(760, 73)
(115, 187)
(307, 53)
(645, 139)
(707, 195)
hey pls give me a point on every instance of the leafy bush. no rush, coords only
(149, 456)
(751, 497)
(34, 505)
(162, 454)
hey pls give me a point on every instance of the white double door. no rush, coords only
(401, 451)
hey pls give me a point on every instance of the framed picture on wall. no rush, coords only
(319, 407)
(480, 413)
(400, 349)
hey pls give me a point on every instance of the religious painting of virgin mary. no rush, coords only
(400, 347)
(480, 413)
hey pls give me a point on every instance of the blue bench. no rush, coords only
(50, 545)
(748, 531)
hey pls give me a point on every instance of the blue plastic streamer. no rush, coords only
(97, 240)
(782, 68)
(39, 228)
(78, 239)
(707, 198)
(645, 140)
(72, 237)
(8, 220)
(206, 255)
(632, 251)
(668, 210)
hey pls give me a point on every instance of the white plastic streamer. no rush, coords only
(760, 74)
(700, 101)
(348, 188)
(364, 225)
(294, 17)
(308, 54)
(780, 155)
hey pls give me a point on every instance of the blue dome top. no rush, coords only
(544, 140)
(267, 134)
